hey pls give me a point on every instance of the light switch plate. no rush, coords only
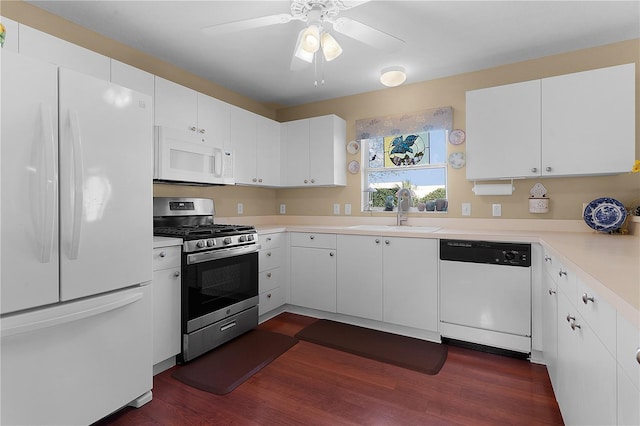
(496, 209)
(240, 208)
(347, 209)
(283, 208)
(466, 209)
(336, 208)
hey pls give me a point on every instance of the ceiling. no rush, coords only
(442, 38)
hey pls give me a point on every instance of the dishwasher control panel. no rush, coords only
(496, 253)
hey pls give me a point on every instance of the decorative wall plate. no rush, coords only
(457, 136)
(457, 160)
(353, 147)
(605, 214)
(353, 167)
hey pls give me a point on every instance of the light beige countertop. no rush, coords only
(166, 242)
(608, 264)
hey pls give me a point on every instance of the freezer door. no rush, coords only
(29, 178)
(75, 363)
(106, 159)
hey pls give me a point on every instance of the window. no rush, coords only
(415, 160)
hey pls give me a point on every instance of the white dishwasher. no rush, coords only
(485, 294)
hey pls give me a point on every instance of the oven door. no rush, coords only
(216, 288)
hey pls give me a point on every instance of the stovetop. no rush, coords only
(194, 232)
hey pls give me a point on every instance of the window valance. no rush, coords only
(421, 121)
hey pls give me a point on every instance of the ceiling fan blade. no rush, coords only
(350, 4)
(368, 35)
(247, 24)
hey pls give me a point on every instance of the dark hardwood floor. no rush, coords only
(315, 385)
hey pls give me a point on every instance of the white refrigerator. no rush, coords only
(76, 241)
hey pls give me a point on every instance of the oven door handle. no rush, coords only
(221, 254)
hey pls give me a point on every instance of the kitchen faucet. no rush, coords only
(404, 203)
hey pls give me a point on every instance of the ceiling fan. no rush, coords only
(317, 15)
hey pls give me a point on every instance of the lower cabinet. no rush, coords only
(628, 356)
(166, 305)
(550, 325)
(313, 271)
(389, 279)
(271, 279)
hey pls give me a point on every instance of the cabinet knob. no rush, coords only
(387, 242)
(163, 254)
(547, 259)
(268, 254)
(638, 355)
(548, 168)
(586, 298)
(313, 181)
(268, 238)
(331, 254)
(269, 296)
(377, 240)
(570, 318)
(268, 274)
(534, 170)
(306, 181)
(201, 131)
(562, 273)
(254, 180)
(552, 292)
(574, 325)
(176, 274)
(260, 180)
(313, 237)
(193, 128)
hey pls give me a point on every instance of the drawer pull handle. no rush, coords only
(570, 318)
(269, 296)
(552, 292)
(162, 254)
(638, 355)
(586, 298)
(574, 325)
(331, 254)
(268, 274)
(268, 238)
(176, 274)
(561, 273)
(228, 326)
(547, 259)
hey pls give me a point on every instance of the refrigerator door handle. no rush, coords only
(15, 325)
(48, 189)
(78, 179)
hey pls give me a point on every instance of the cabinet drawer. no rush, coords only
(565, 278)
(600, 316)
(166, 257)
(269, 280)
(268, 241)
(269, 258)
(270, 300)
(308, 239)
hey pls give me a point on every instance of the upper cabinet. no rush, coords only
(180, 107)
(131, 77)
(51, 49)
(570, 125)
(11, 34)
(314, 152)
(256, 143)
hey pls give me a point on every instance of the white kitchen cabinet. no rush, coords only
(313, 271)
(48, 48)
(314, 152)
(586, 370)
(256, 143)
(359, 282)
(132, 77)
(570, 125)
(410, 277)
(166, 306)
(628, 356)
(180, 107)
(550, 323)
(271, 280)
(11, 36)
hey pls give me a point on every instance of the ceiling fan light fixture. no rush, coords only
(299, 52)
(330, 47)
(393, 76)
(310, 41)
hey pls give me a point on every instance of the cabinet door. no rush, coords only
(11, 37)
(243, 138)
(503, 131)
(327, 151)
(166, 314)
(410, 282)
(214, 122)
(550, 325)
(589, 122)
(132, 77)
(359, 288)
(295, 153)
(313, 278)
(176, 106)
(267, 151)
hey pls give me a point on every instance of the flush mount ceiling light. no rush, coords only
(393, 76)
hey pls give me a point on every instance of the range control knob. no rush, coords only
(250, 237)
(509, 255)
(201, 244)
(227, 240)
(242, 239)
(211, 243)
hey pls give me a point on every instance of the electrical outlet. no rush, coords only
(466, 209)
(240, 208)
(496, 209)
(336, 208)
(347, 209)
(283, 208)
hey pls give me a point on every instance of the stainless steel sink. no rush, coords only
(395, 228)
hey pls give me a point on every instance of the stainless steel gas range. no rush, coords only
(219, 273)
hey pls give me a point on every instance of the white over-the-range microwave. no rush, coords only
(181, 156)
